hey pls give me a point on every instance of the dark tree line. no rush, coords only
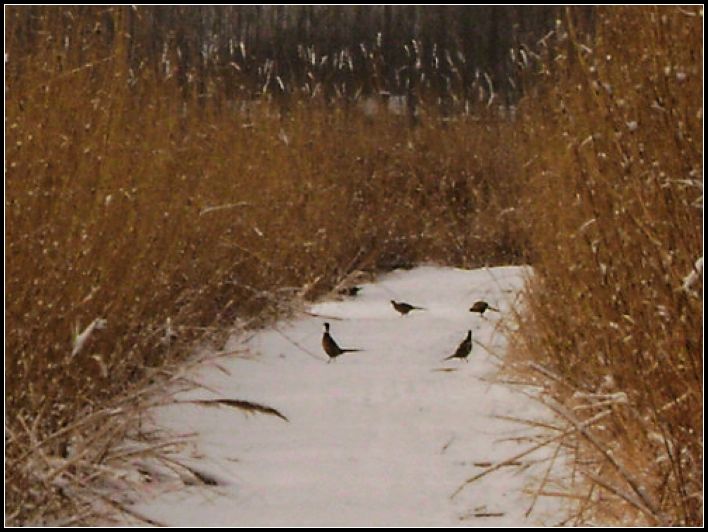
(450, 53)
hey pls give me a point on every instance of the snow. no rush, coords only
(382, 437)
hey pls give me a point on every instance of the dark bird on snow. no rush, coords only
(351, 291)
(331, 347)
(404, 308)
(481, 307)
(464, 349)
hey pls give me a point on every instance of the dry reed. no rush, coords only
(614, 205)
(141, 217)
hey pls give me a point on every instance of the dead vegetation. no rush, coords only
(140, 219)
(614, 201)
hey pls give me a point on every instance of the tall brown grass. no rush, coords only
(614, 203)
(171, 214)
(167, 216)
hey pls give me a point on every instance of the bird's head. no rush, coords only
(326, 326)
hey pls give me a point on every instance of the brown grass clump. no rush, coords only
(140, 218)
(614, 202)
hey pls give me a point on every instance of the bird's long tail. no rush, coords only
(351, 350)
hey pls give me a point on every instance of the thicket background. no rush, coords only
(173, 169)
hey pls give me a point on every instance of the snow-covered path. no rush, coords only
(380, 437)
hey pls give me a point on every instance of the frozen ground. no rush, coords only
(380, 437)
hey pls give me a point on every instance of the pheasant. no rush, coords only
(481, 307)
(404, 308)
(351, 291)
(464, 349)
(331, 347)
